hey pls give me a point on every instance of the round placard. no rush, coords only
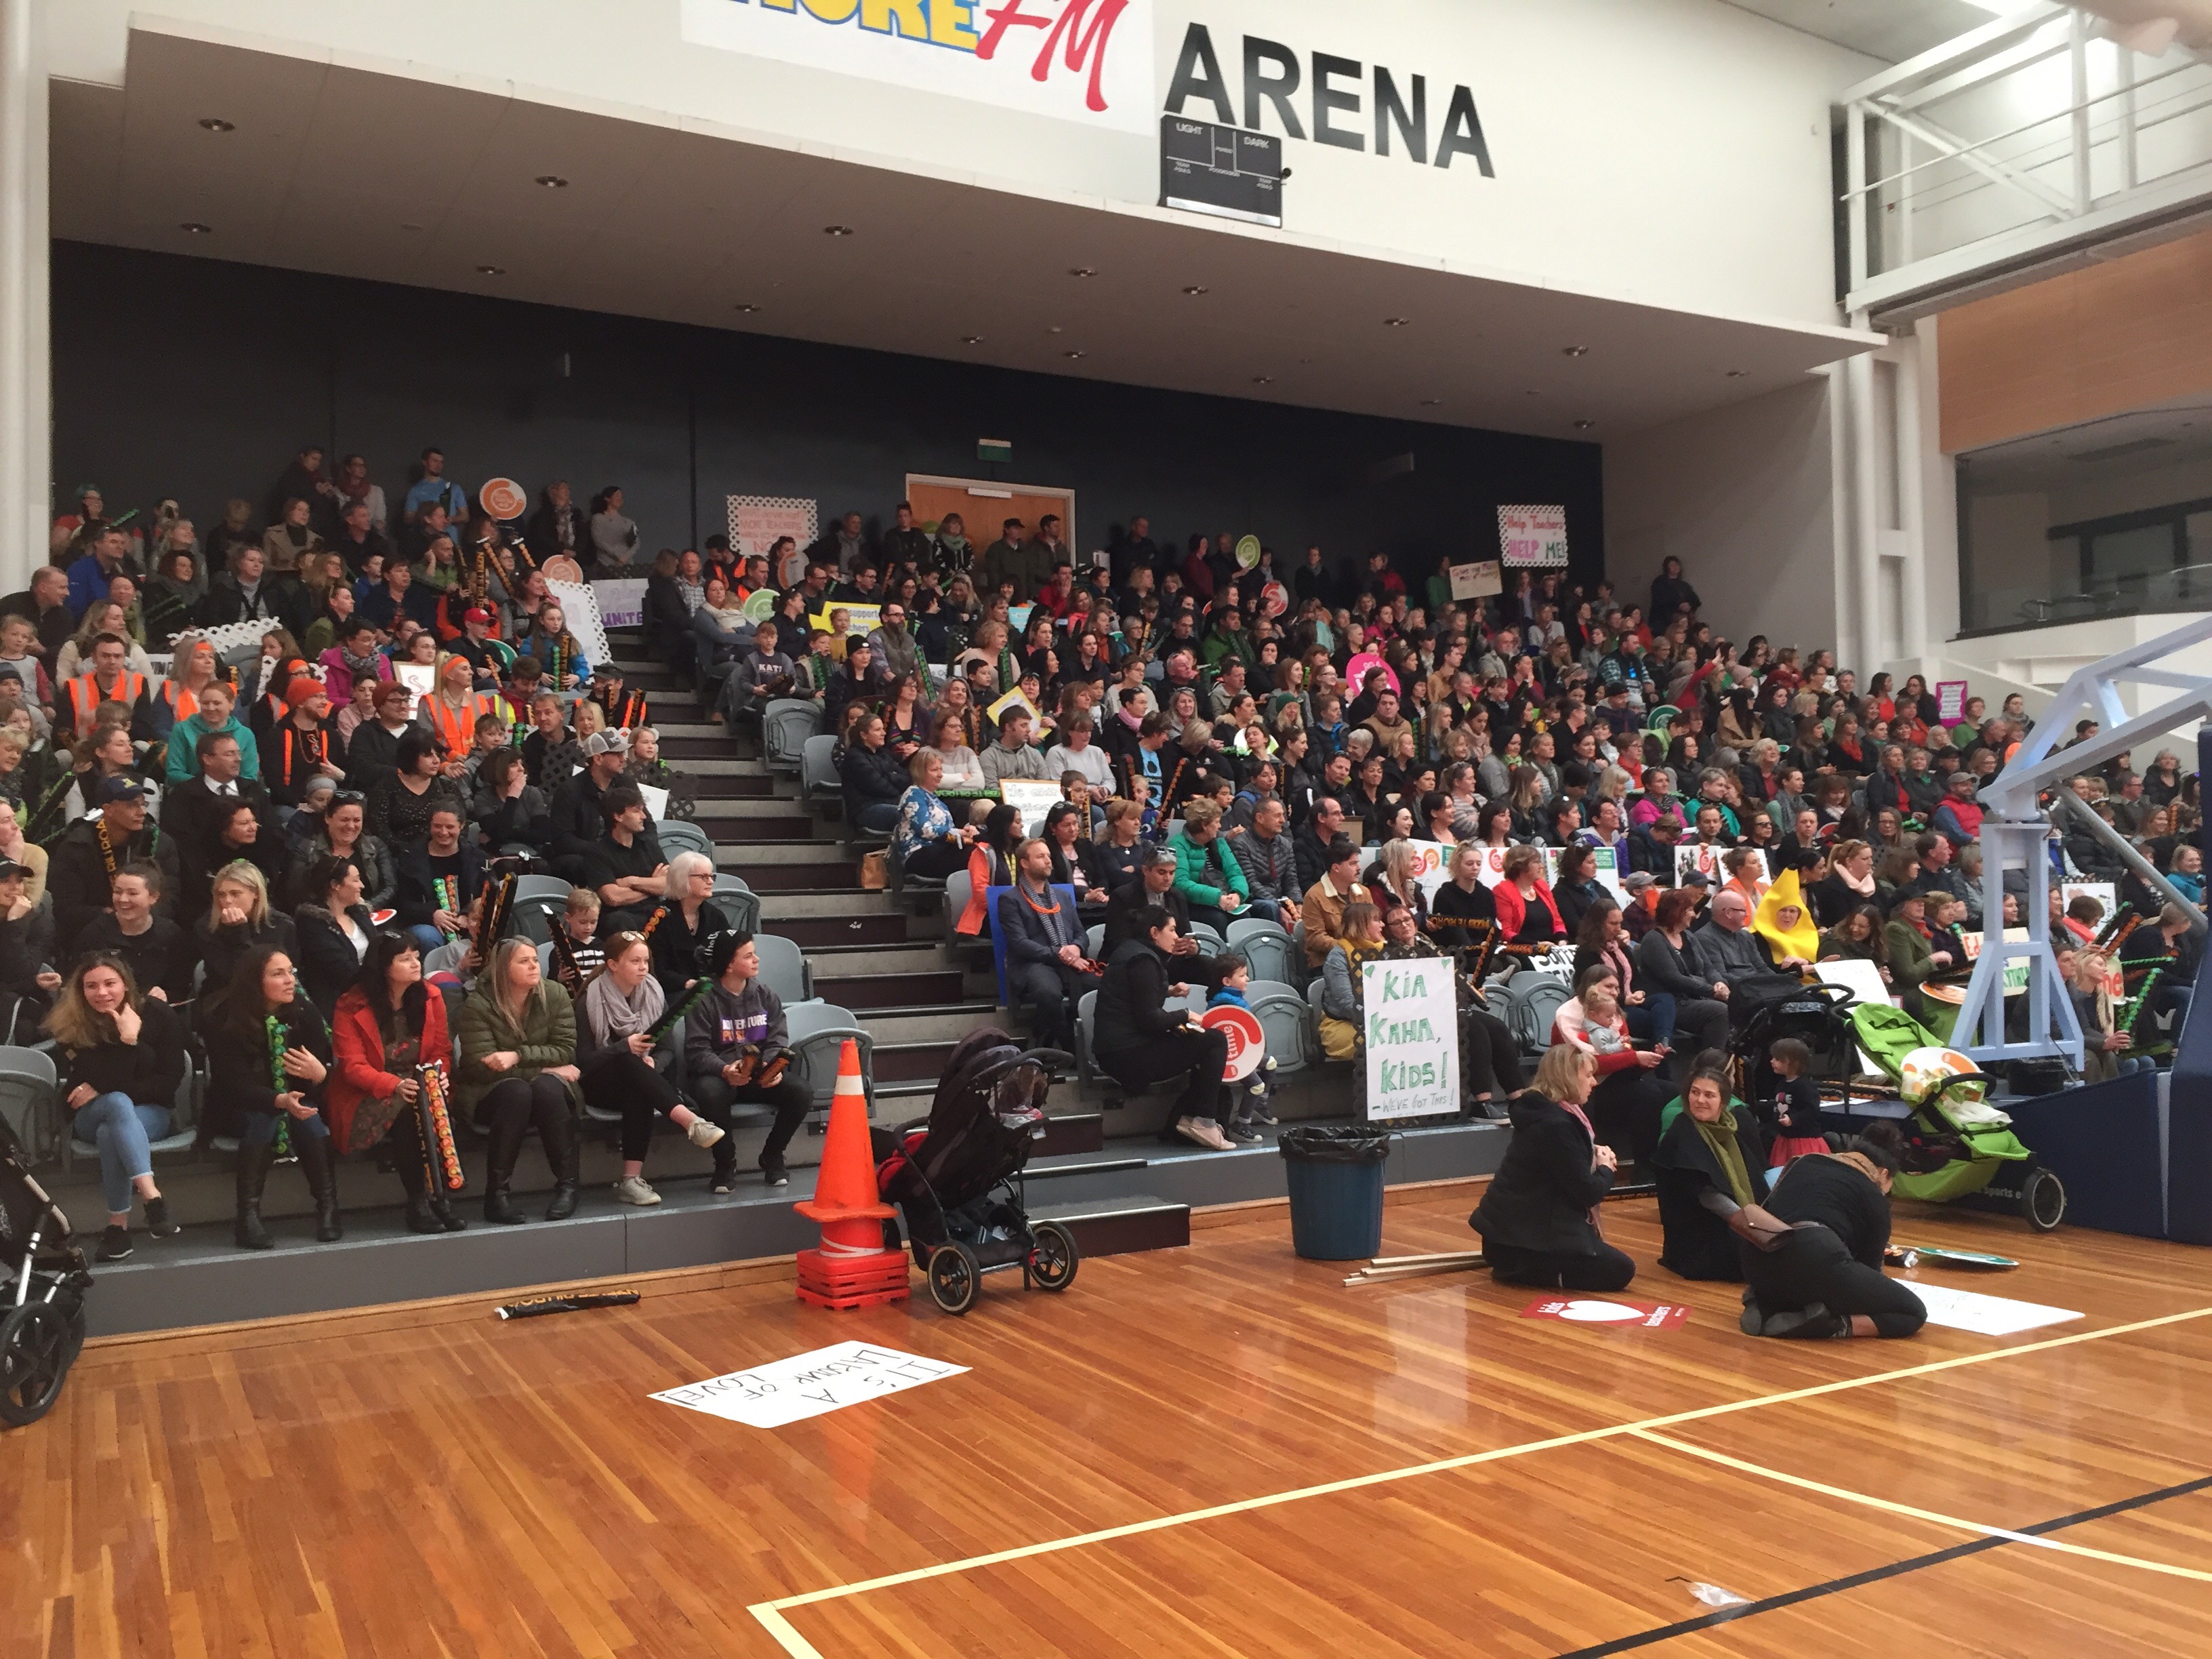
(1247, 1042)
(502, 499)
(759, 606)
(1248, 552)
(562, 568)
(1274, 599)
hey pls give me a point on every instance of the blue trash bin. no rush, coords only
(1335, 1176)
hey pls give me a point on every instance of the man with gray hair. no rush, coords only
(1154, 886)
(1731, 955)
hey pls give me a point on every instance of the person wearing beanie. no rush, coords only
(302, 744)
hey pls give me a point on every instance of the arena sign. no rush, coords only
(1089, 61)
(1348, 105)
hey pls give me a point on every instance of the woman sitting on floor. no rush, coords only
(1538, 1216)
(1823, 1277)
(1708, 1168)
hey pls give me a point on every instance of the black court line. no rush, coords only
(1875, 1574)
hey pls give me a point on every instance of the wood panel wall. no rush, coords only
(2100, 341)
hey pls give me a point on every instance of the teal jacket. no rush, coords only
(1191, 862)
(184, 763)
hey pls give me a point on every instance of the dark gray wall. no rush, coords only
(198, 380)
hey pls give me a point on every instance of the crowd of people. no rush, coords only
(1345, 749)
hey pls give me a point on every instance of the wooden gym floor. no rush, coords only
(1218, 1451)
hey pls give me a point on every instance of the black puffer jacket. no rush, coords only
(1540, 1197)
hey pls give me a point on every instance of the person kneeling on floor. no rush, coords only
(1823, 1277)
(1709, 1172)
(1539, 1218)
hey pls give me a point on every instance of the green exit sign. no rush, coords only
(994, 449)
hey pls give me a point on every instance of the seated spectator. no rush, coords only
(1012, 756)
(733, 1041)
(1322, 908)
(238, 918)
(517, 1072)
(623, 1070)
(1142, 1042)
(1071, 852)
(1047, 968)
(82, 858)
(684, 920)
(874, 780)
(578, 811)
(926, 841)
(626, 869)
(1208, 875)
(439, 881)
(153, 947)
(120, 1057)
(1668, 967)
(1959, 820)
(1117, 856)
(1625, 1100)
(1268, 857)
(270, 1054)
(1075, 752)
(1913, 958)
(548, 640)
(1528, 914)
(1538, 1216)
(216, 713)
(1343, 981)
(1733, 958)
(1577, 890)
(990, 864)
(301, 745)
(508, 810)
(340, 835)
(764, 673)
(387, 1025)
(400, 806)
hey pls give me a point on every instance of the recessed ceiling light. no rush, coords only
(1054, 329)
(837, 230)
(1263, 380)
(1071, 354)
(194, 227)
(1195, 290)
(971, 339)
(1585, 426)
(216, 124)
(1737, 373)
(552, 181)
(491, 271)
(1083, 271)
(1396, 322)
(1574, 351)
(410, 227)
(1431, 403)
(747, 309)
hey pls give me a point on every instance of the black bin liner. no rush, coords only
(1335, 1143)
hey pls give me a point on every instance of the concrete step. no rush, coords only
(861, 992)
(723, 764)
(736, 844)
(1119, 1226)
(849, 900)
(687, 748)
(841, 933)
(853, 961)
(724, 787)
(944, 1026)
(774, 875)
(740, 823)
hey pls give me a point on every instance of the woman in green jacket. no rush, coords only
(1914, 958)
(518, 1038)
(1210, 877)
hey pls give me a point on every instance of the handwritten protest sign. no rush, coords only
(1032, 798)
(808, 1384)
(1412, 1013)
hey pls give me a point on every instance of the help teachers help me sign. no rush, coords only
(808, 1384)
(1412, 1015)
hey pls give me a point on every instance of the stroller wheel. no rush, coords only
(35, 1353)
(1053, 1262)
(2043, 1200)
(954, 1278)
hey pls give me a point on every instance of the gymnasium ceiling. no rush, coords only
(352, 172)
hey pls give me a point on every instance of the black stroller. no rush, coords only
(1818, 1016)
(41, 1293)
(957, 1179)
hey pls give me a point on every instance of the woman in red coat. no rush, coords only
(387, 1024)
(1527, 915)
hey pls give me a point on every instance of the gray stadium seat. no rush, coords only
(786, 726)
(783, 968)
(817, 1034)
(29, 1099)
(682, 835)
(738, 902)
(1285, 1017)
(1271, 957)
(817, 772)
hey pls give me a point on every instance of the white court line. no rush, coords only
(770, 1613)
(1894, 1508)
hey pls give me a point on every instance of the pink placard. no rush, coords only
(1950, 700)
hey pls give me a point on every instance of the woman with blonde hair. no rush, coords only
(121, 1057)
(1539, 1218)
(239, 919)
(1359, 941)
(518, 1072)
(75, 657)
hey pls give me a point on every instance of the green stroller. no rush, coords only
(1957, 1146)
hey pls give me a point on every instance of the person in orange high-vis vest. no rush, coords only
(451, 711)
(110, 681)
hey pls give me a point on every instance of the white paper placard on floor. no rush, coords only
(1984, 1316)
(809, 1384)
(656, 799)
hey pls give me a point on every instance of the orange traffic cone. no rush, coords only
(852, 1268)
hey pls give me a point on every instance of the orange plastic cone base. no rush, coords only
(852, 1281)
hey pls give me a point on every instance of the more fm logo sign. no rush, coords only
(1087, 60)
